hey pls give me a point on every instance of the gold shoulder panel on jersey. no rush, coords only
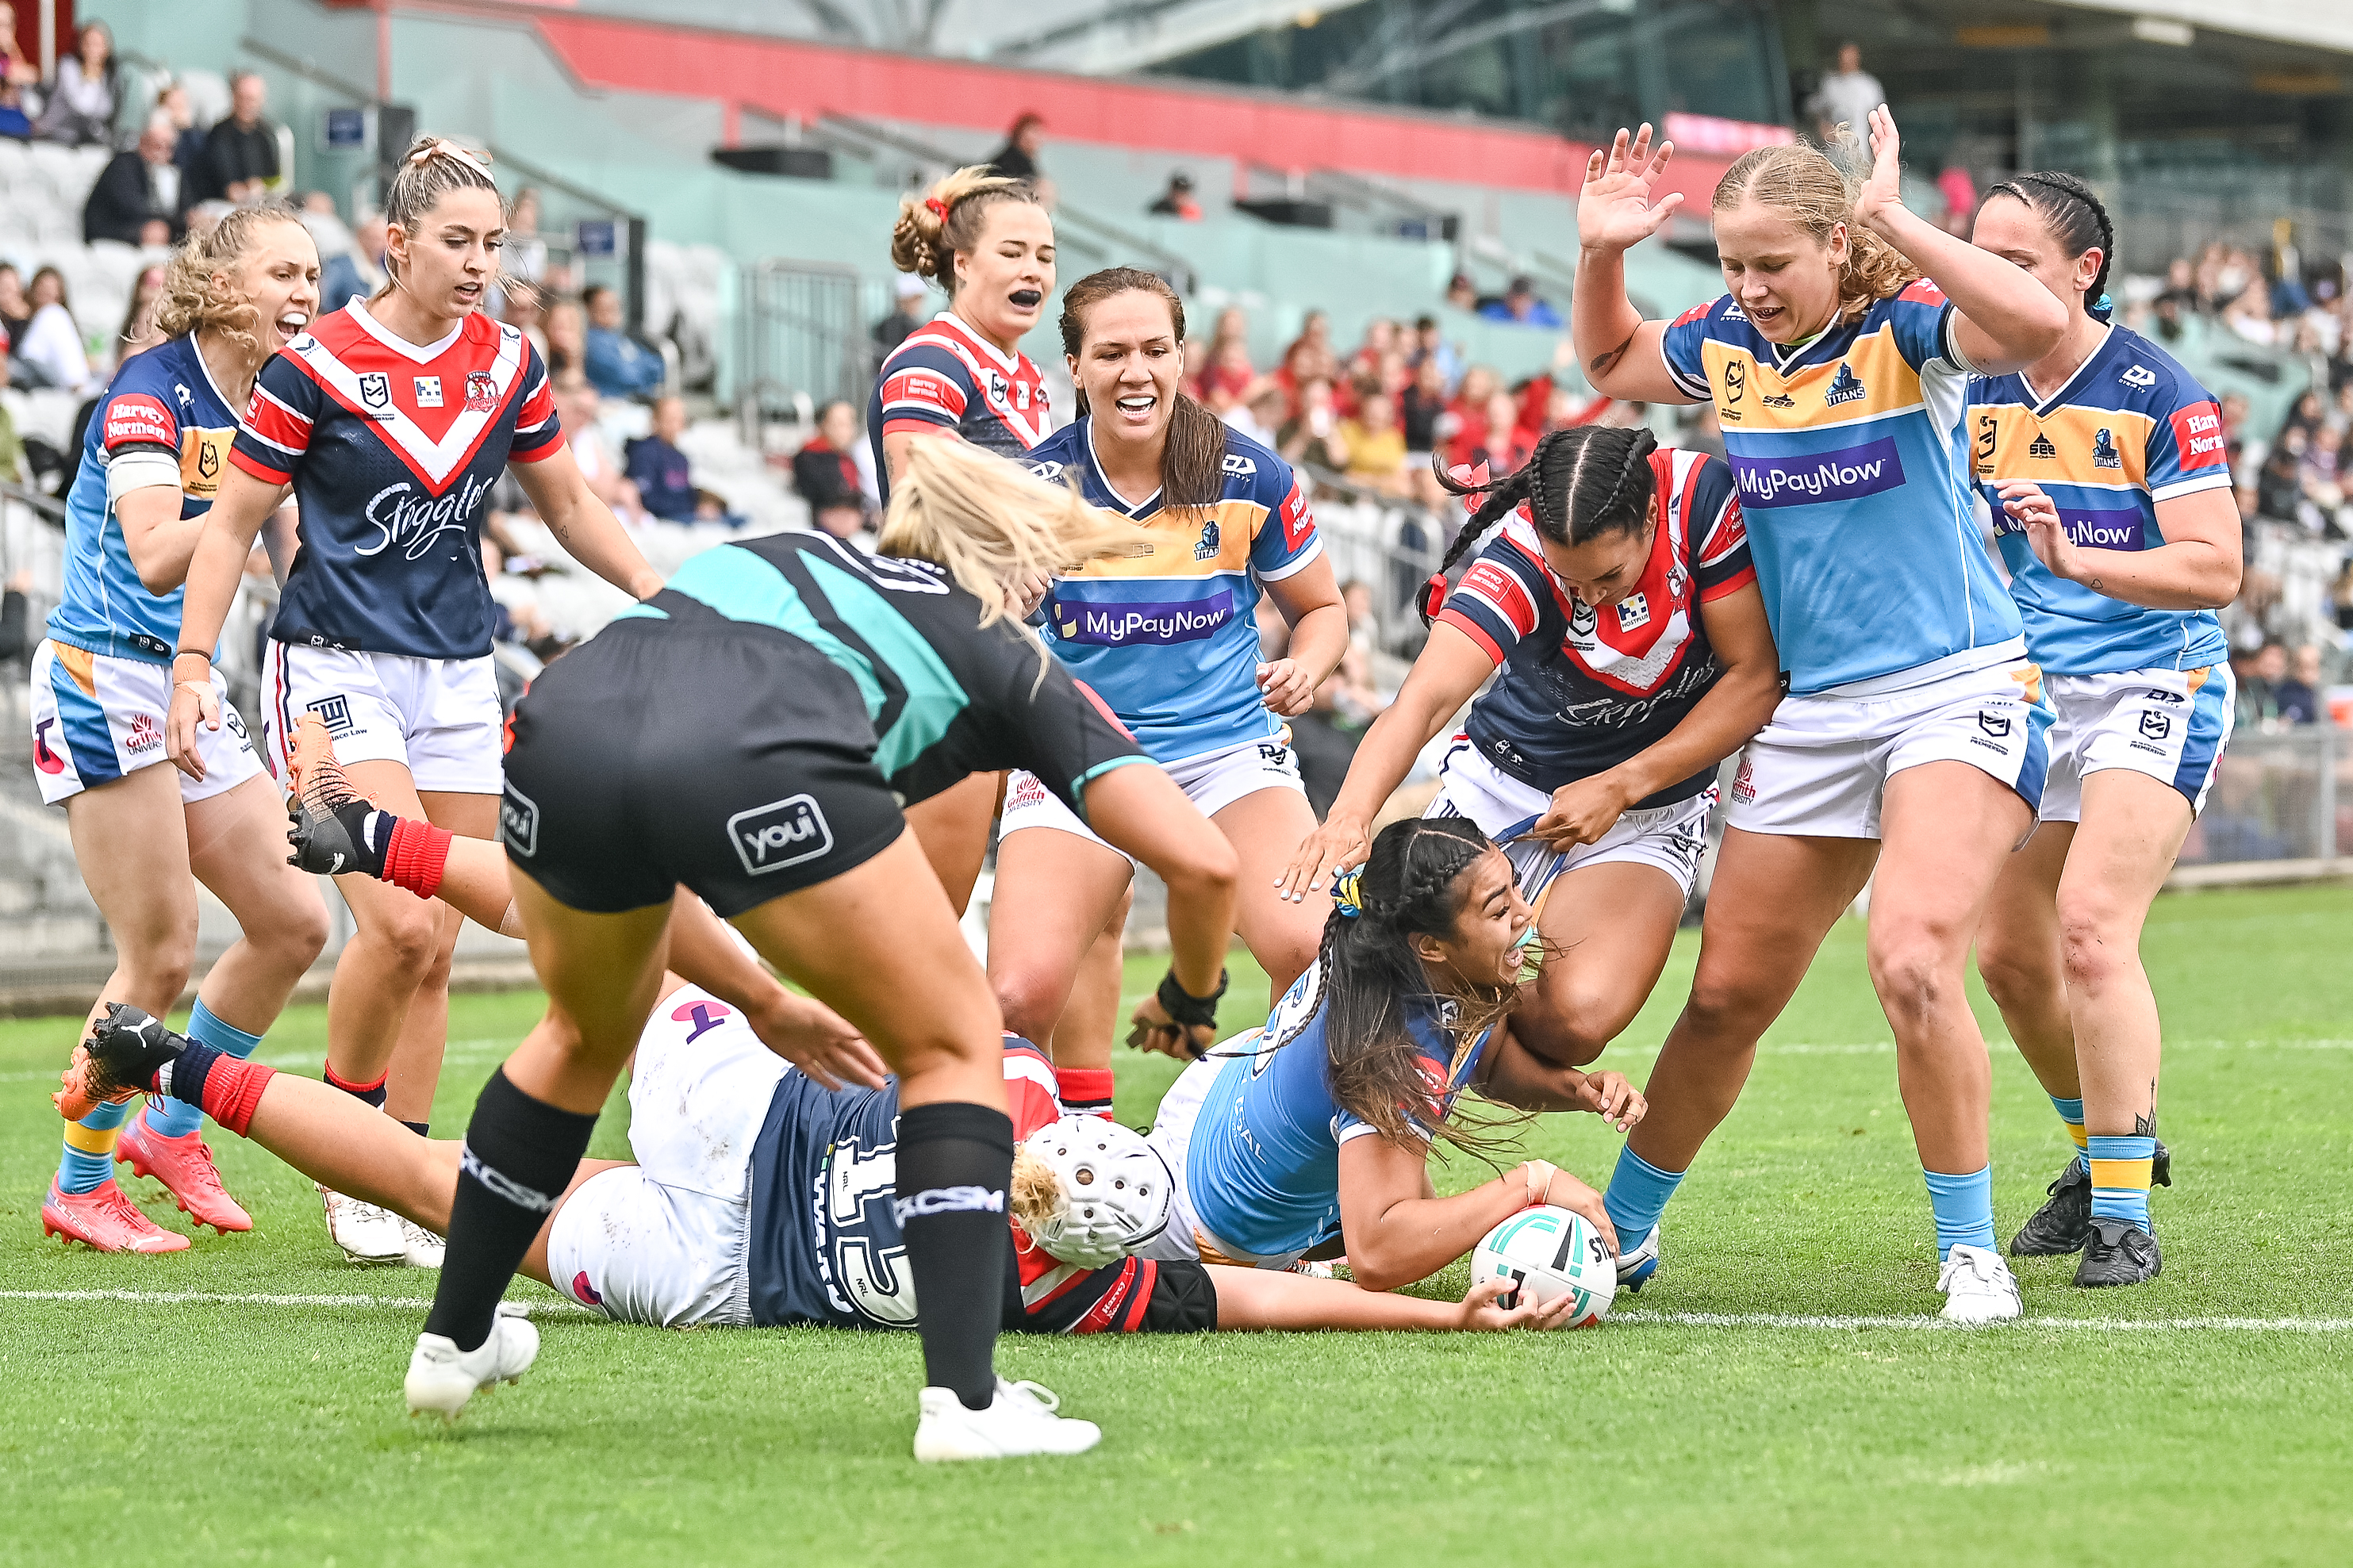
(2102, 447)
(1189, 542)
(1869, 380)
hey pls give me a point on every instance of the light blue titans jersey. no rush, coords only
(1852, 473)
(1263, 1165)
(163, 402)
(2130, 428)
(1166, 634)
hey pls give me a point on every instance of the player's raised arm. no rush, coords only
(1618, 350)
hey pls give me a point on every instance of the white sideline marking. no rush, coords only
(2107, 1325)
(211, 1299)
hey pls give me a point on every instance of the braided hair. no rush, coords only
(1366, 969)
(1580, 484)
(2075, 218)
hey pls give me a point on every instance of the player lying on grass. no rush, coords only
(1315, 1132)
(712, 1226)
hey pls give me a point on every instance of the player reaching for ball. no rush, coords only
(1910, 748)
(1313, 1135)
(838, 684)
(2104, 463)
(1165, 632)
(1621, 607)
(145, 836)
(390, 420)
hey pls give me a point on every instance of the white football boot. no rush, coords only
(366, 1234)
(420, 1248)
(1020, 1420)
(441, 1377)
(1977, 1287)
(1639, 1267)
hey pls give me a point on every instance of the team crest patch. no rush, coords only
(482, 392)
(335, 713)
(1845, 386)
(1994, 724)
(375, 390)
(429, 391)
(1736, 387)
(2104, 451)
(2154, 726)
(1209, 545)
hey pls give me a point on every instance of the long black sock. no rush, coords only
(520, 1155)
(956, 1160)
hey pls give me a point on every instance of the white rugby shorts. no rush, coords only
(666, 1241)
(1820, 767)
(438, 717)
(1672, 837)
(1212, 780)
(98, 717)
(1185, 1238)
(2170, 724)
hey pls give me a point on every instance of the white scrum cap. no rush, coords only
(1115, 1190)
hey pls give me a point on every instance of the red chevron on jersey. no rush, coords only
(404, 392)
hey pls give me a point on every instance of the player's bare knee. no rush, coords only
(1915, 973)
(2015, 978)
(1031, 1001)
(410, 937)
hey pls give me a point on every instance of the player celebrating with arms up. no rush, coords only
(2105, 462)
(1621, 607)
(390, 421)
(154, 460)
(1910, 739)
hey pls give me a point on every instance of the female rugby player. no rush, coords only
(1166, 633)
(390, 419)
(1910, 738)
(2103, 461)
(835, 685)
(154, 462)
(709, 1226)
(1314, 1132)
(1622, 608)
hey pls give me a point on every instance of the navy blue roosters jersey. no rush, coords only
(391, 451)
(1584, 689)
(826, 1246)
(947, 377)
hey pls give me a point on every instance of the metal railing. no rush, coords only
(801, 342)
(2283, 799)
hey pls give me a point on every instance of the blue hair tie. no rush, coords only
(1348, 892)
(2103, 308)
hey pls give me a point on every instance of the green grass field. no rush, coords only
(2199, 1419)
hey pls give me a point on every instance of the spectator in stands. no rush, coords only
(907, 313)
(80, 111)
(16, 312)
(1846, 98)
(2258, 702)
(1462, 294)
(15, 70)
(11, 450)
(1375, 443)
(2166, 312)
(577, 408)
(1959, 189)
(189, 140)
(140, 198)
(52, 344)
(524, 254)
(1522, 305)
(1228, 378)
(1259, 415)
(619, 365)
(1018, 159)
(1177, 201)
(664, 478)
(358, 273)
(1422, 412)
(567, 338)
(824, 473)
(1429, 343)
(241, 152)
(138, 330)
(1311, 438)
(2249, 312)
(2298, 695)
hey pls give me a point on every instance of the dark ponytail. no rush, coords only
(1366, 969)
(2076, 219)
(1580, 484)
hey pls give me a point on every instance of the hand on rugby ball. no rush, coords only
(1480, 1312)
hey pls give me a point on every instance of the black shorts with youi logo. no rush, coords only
(734, 759)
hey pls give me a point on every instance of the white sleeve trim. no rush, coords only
(1704, 392)
(1952, 343)
(1306, 557)
(139, 470)
(2220, 479)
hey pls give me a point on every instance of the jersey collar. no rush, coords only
(1010, 362)
(1137, 511)
(196, 353)
(2043, 406)
(357, 309)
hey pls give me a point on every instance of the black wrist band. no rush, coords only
(1193, 1011)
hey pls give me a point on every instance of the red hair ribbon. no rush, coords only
(939, 209)
(1433, 596)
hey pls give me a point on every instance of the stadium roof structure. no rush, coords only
(2324, 24)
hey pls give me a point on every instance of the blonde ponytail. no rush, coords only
(947, 218)
(991, 523)
(1804, 186)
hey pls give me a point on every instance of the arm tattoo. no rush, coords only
(1600, 363)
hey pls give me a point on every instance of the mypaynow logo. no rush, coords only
(1809, 478)
(1156, 623)
(2100, 529)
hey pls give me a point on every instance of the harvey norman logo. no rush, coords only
(1145, 622)
(1808, 479)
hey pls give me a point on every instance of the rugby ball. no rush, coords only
(1545, 1252)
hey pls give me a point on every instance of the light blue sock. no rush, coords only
(89, 1161)
(1638, 1196)
(2120, 1168)
(1964, 1207)
(2071, 1112)
(177, 1119)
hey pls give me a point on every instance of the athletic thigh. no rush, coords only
(1265, 827)
(236, 846)
(2124, 848)
(2020, 934)
(1947, 832)
(952, 828)
(1054, 894)
(130, 841)
(1773, 899)
(1607, 931)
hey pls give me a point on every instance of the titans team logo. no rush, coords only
(1845, 386)
(1208, 548)
(2104, 451)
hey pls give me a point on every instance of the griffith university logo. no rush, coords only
(1845, 386)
